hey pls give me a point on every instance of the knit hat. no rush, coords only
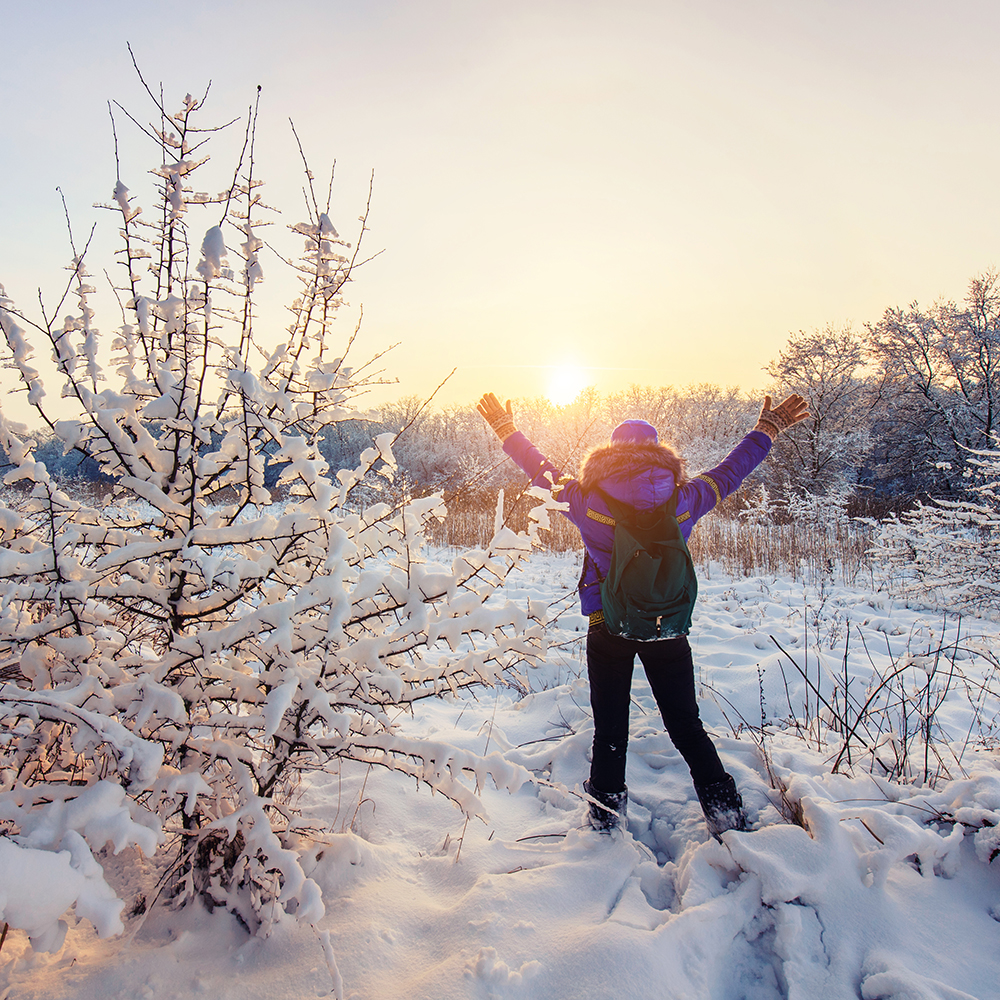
(634, 432)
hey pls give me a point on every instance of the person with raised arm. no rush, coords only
(636, 484)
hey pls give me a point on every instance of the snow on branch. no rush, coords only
(233, 612)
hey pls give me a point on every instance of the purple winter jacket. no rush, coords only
(640, 475)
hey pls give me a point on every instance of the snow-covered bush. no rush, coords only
(947, 552)
(238, 614)
(826, 510)
(819, 510)
(761, 508)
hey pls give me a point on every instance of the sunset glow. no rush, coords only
(638, 187)
(565, 384)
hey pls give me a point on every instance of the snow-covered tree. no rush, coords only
(824, 453)
(940, 375)
(947, 552)
(239, 613)
(703, 421)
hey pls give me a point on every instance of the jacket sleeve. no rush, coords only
(535, 465)
(596, 535)
(543, 473)
(700, 494)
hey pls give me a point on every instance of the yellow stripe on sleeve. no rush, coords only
(711, 482)
(597, 516)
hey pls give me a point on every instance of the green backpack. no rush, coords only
(650, 588)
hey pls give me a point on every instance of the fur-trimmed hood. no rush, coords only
(641, 475)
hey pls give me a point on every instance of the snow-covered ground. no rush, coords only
(886, 890)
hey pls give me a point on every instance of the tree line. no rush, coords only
(897, 408)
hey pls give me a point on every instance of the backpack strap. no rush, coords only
(619, 511)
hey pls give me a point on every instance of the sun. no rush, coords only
(565, 384)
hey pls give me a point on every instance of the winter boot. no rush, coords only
(611, 812)
(723, 807)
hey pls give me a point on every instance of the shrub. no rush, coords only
(175, 659)
(947, 552)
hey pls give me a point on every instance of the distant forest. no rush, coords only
(897, 410)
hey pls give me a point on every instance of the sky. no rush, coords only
(652, 191)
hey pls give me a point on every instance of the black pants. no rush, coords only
(670, 671)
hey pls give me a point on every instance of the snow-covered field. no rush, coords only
(887, 891)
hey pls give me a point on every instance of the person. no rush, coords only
(635, 469)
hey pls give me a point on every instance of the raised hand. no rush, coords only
(789, 412)
(499, 418)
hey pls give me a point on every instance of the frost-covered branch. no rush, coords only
(235, 612)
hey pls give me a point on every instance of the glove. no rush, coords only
(791, 411)
(500, 419)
